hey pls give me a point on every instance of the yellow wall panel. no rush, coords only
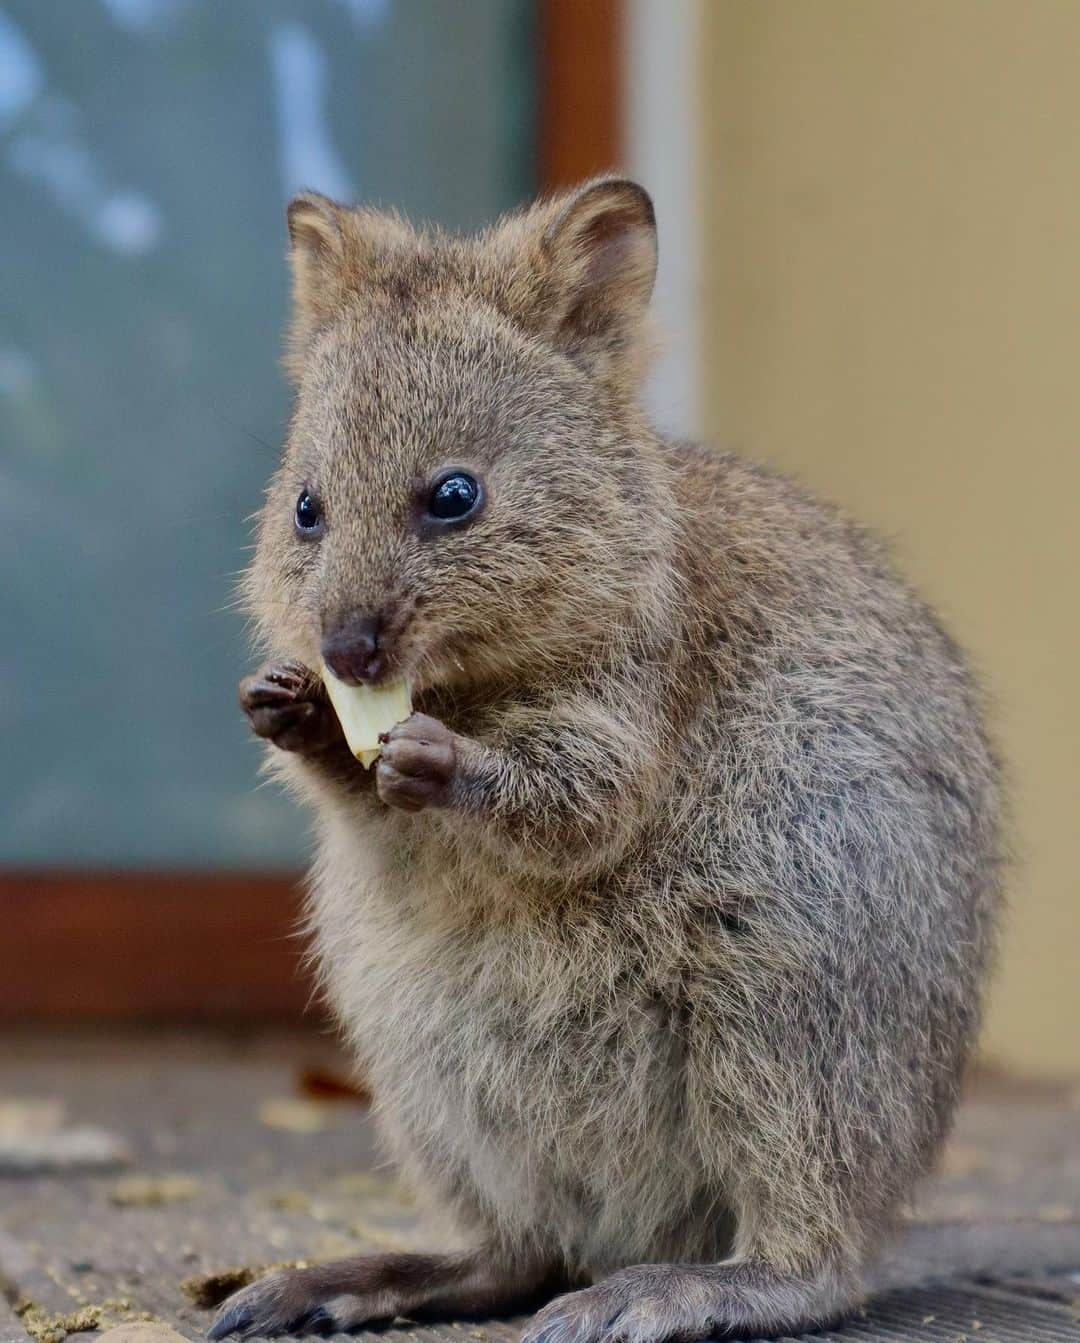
(892, 197)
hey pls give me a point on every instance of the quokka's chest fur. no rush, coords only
(535, 1074)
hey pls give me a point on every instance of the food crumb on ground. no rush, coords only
(46, 1327)
(152, 1191)
(210, 1289)
(297, 1116)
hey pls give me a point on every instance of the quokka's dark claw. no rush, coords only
(228, 1322)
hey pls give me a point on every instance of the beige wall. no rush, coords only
(893, 312)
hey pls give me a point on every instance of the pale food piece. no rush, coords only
(366, 711)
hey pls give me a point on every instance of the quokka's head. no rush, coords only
(468, 487)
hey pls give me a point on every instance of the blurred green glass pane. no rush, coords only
(147, 148)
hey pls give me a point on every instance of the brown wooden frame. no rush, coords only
(580, 89)
(150, 945)
(222, 946)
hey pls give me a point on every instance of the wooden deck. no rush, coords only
(222, 1165)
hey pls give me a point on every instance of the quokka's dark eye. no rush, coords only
(454, 497)
(309, 515)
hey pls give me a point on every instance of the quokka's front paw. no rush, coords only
(417, 765)
(286, 704)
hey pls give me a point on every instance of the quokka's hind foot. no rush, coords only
(653, 1303)
(348, 1293)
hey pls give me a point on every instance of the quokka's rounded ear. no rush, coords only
(337, 255)
(317, 252)
(601, 253)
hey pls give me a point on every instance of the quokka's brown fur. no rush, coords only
(678, 960)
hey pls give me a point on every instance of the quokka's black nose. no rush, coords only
(354, 648)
